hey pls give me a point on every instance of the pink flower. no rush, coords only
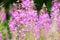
(55, 12)
(25, 3)
(2, 15)
(12, 25)
(45, 24)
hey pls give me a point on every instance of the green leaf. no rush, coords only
(48, 4)
(1, 1)
(29, 36)
(3, 36)
(41, 38)
(39, 4)
(1, 26)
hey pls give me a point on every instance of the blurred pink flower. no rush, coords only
(2, 15)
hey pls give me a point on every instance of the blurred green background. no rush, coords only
(38, 4)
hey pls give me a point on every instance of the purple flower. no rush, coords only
(14, 13)
(44, 19)
(12, 25)
(25, 3)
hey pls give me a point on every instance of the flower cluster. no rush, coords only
(55, 12)
(45, 24)
(26, 23)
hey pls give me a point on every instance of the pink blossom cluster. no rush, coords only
(45, 24)
(27, 17)
(27, 20)
(55, 12)
(2, 14)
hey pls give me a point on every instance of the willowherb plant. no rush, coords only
(55, 11)
(26, 25)
(26, 19)
(31, 22)
(45, 24)
(2, 14)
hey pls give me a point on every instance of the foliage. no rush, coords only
(38, 3)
